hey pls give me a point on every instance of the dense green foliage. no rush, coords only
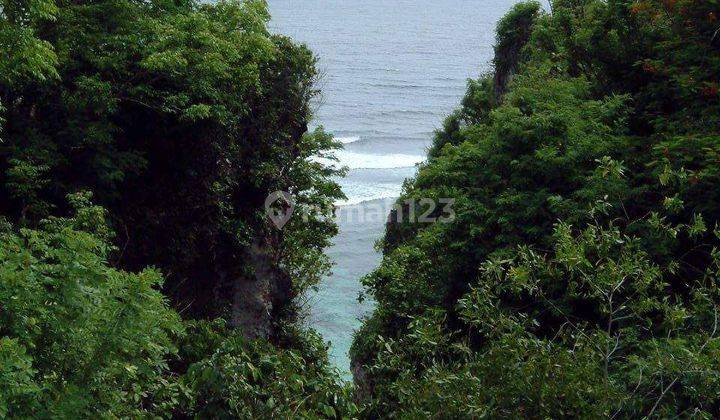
(244, 379)
(82, 339)
(180, 117)
(578, 279)
(580, 276)
(79, 336)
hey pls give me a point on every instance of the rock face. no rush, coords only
(513, 33)
(257, 300)
(361, 381)
(506, 64)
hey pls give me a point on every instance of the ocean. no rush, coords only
(392, 70)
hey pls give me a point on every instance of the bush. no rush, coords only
(79, 337)
(254, 379)
(579, 277)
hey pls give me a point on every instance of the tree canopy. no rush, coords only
(580, 276)
(139, 276)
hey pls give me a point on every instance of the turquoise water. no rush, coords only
(392, 70)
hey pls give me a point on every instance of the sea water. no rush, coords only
(392, 70)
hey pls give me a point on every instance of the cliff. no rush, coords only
(584, 175)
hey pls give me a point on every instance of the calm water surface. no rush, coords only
(392, 70)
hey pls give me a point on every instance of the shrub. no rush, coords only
(80, 337)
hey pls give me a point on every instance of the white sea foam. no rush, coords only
(347, 140)
(354, 160)
(361, 193)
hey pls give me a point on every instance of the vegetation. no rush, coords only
(180, 117)
(79, 336)
(139, 276)
(580, 276)
(83, 339)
